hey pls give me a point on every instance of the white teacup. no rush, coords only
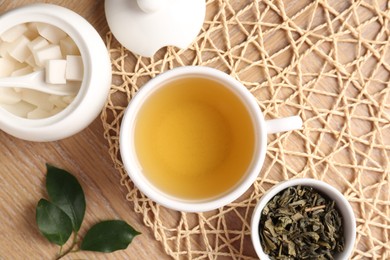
(261, 128)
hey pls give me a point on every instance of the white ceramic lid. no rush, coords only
(145, 26)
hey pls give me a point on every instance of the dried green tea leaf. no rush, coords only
(270, 245)
(270, 227)
(300, 223)
(291, 248)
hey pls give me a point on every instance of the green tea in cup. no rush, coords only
(194, 138)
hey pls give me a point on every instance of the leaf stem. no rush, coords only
(70, 249)
(315, 208)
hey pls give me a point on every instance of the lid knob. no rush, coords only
(150, 6)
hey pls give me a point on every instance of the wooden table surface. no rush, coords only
(86, 155)
(22, 178)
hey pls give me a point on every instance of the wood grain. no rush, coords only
(22, 178)
(86, 155)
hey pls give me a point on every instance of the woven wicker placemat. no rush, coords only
(327, 61)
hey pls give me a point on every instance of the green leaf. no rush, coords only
(108, 236)
(65, 191)
(53, 223)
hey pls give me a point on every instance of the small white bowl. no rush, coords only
(341, 202)
(95, 84)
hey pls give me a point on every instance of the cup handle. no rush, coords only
(283, 124)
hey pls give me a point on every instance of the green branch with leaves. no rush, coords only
(63, 214)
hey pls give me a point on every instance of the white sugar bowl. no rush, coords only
(65, 115)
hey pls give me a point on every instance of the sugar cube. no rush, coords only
(57, 101)
(23, 71)
(31, 32)
(19, 109)
(38, 43)
(5, 47)
(50, 32)
(50, 52)
(56, 110)
(9, 96)
(55, 71)
(68, 99)
(7, 66)
(14, 33)
(19, 50)
(74, 68)
(39, 99)
(69, 47)
(31, 62)
(32, 26)
(38, 113)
